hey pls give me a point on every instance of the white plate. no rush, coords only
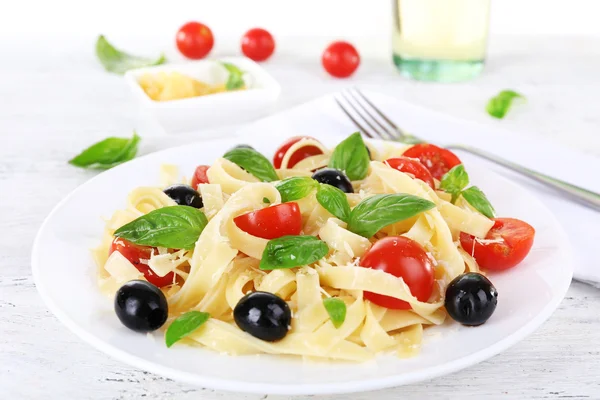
(65, 277)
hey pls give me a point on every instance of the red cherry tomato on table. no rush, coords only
(512, 238)
(412, 167)
(437, 160)
(258, 44)
(340, 59)
(299, 155)
(272, 222)
(134, 254)
(200, 175)
(406, 259)
(194, 40)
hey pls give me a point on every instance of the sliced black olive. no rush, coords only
(141, 306)
(335, 178)
(471, 299)
(184, 195)
(263, 315)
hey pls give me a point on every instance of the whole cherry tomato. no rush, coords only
(340, 59)
(258, 44)
(194, 40)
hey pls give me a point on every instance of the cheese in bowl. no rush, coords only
(173, 85)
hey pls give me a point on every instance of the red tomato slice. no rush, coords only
(272, 222)
(258, 44)
(514, 240)
(406, 259)
(412, 167)
(299, 155)
(200, 175)
(134, 254)
(437, 160)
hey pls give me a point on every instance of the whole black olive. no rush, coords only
(184, 195)
(243, 146)
(263, 315)
(141, 306)
(334, 178)
(471, 299)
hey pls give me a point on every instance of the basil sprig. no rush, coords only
(499, 105)
(336, 309)
(381, 210)
(184, 325)
(456, 180)
(296, 188)
(174, 227)
(107, 153)
(351, 156)
(236, 77)
(334, 200)
(292, 251)
(118, 61)
(253, 162)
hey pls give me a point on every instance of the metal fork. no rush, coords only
(375, 124)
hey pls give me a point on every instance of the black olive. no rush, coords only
(263, 315)
(334, 178)
(471, 299)
(141, 306)
(184, 195)
(243, 146)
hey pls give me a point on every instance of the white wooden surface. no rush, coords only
(55, 100)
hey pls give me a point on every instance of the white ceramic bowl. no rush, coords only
(201, 112)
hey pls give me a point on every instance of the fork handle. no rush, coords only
(583, 196)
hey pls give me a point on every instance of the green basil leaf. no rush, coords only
(184, 325)
(334, 200)
(253, 162)
(266, 200)
(107, 153)
(476, 198)
(236, 77)
(381, 210)
(351, 157)
(499, 105)
(296, 188)
(119, 62)
(292, 251)
(336, 309)
(454, 181)
(174, 227)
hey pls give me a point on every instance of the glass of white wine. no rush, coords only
(440, 40)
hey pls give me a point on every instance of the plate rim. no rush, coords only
(302, 388)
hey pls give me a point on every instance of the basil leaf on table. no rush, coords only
(236, 77)
(336, 309)
(174, 227)
(184, 325)
(292, 251)
(296, 188)
(476, 198)
(107, 153)
(334, 200)
(351, 157)
(454, 181)
(379, 211)
(253, 162)
(499, 105)
(118, 61)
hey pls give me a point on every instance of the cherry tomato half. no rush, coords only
(437, 160)
(200, 176)
(258, 44)
(412, 167)
(134, 254)
(340, 59)
(194, 40)
(298, 155)
(406, 259)
(513, 240)
(272, 222)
